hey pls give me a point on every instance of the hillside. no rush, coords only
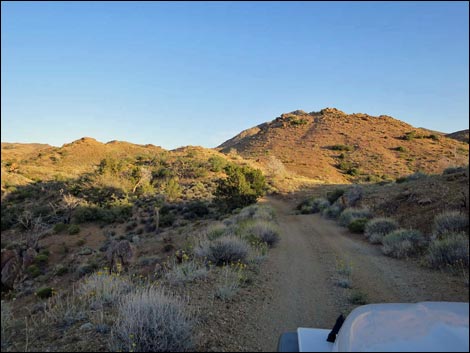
(461, 135)
(333, 146)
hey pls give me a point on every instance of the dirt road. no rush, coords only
(299, 286)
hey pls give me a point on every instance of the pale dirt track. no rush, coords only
(298, 286)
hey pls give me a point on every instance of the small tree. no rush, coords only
(242, 187)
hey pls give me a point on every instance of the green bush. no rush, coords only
(334, 195)
(403, 243)
(401, 149)
(242, 187)
(44, 292)
(33, 271)
(358, 225)
(262, 231)
(217, 164)
(61, 270)
(73, 229)
(449, 222)
(313, 205)
(452, 251)
(377, 228)
(332, 212)
(59, 227)
(411, 135)
(41, 259)
(341, 148)
(350, 214)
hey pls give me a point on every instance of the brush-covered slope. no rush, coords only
(462, 135)
(333, 146)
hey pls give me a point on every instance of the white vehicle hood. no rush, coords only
(426, 326)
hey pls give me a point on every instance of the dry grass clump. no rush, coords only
(103, 289)
(6, 319)
(403, 243)
(186, 272)
(259, 212)
(150, 320)
(377, 228)
(228, 284)
(449, 222)
(223, 250)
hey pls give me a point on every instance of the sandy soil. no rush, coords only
(299, 279)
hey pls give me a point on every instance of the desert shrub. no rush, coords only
(33, 271)
(313, 205)
(449, 222)
(59, 227)
(150, 320)
(73, 229)
(401, 149)
(44, 292)
(223, 250)
(358, 298)
(334, 195)
(228, 284)
(453, 170)
(217, 164)
(403, 243)
(451, 251)
(131, 225)
(350, 214)
(242, 187)
(186, 272)
(102, 289)
(41, 259)
(195, 209)
(344, 283)
(61, 270)
(167, 219)
(85, 269)
(259, 212)
(408, 136)
(341, 148)
(262, 231)
(332, 212)
(377, 228)
(216, 231)
(358, 225)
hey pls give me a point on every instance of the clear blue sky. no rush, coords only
(175, 74)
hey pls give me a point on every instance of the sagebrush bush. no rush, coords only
(223, 250)
(449, 222)
(358, 225)
(350, 214)
(262, 231)
(313, 205)
(377, 228)
(216, 231)
(332, 212)
(451, 251)
(256, 212)
(103, 289)
(150, 320)
(403, 243)
(186, 272)
(59, 227)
